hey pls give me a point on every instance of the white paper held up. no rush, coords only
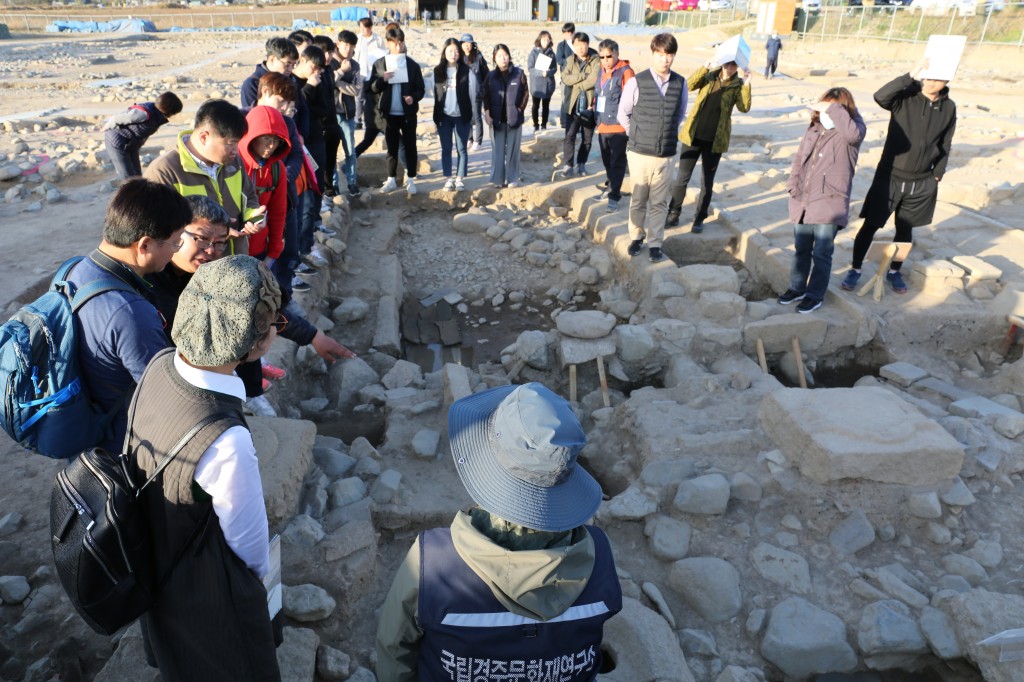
(734, 49)
(543, 62)
(943, 54)
(395, 63)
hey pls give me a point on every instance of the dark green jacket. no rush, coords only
(734, 93)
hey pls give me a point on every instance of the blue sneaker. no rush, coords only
(851, 279)
(896, 280)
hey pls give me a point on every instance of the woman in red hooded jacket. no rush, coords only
(263, 150)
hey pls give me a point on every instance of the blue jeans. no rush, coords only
(309, 211)
(815, 243)
(348, 145)
(449, 125)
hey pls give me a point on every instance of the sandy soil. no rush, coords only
(76, 82)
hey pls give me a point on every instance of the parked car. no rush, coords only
(965, 8)
(706, 5)
(812, 6)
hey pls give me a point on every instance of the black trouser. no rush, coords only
(572, 129)
(867, 232)
(613, 155)
(537, 104)
(773, 63)
(913, 202)
(318, 150)
(332, 139)
(401, 130)
(701, 149)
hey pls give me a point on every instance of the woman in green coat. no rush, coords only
(706, 133)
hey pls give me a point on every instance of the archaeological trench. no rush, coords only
(864, 528)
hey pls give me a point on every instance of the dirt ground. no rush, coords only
(76, 81)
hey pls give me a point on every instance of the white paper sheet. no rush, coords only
(734, 49)
(395, 63)
(272, 580)
(943, 54)
(543, 62)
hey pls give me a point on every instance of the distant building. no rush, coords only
(578, 11)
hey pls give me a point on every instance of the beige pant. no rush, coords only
(652, 189)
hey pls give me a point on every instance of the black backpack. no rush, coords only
(100, 533)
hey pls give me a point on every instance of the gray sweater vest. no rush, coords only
(654, 126)
(168, 407)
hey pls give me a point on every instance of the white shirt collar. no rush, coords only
(211, 381)
(208, 168)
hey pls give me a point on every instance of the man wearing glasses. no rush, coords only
(204, 240)
(120, 331)
(611, 136)
(282, 56)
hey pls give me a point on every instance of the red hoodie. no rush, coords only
(268, 121)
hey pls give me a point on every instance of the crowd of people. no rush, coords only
(217, 235)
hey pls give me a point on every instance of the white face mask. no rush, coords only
(826, 121)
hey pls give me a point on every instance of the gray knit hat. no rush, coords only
(226, 307)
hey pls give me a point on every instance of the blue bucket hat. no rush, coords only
(467, 38)
(515, 448)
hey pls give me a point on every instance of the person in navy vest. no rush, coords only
(125, 133)
(772, 47)
(516, 585)
(651, 108)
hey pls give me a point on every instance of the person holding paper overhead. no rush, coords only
(707, 130)
(922, 119)
(398, 85)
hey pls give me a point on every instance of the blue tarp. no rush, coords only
(352, 14)
(113, 26)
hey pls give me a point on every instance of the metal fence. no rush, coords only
(988, 22)
(18, 21)
(982, 24)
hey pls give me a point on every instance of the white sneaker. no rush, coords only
(410, 186)
(472, 147)
(389, 185)
(459, 185)
(449, 185)
(260, 407)
(513, 184)
(316, 258)
(325, 205)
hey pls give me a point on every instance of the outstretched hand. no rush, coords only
(329, 349)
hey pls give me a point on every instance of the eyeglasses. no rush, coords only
(174, 247)
(204, 244)
(607, 56)
(280, 324)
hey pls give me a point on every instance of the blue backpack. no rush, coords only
(46, 407)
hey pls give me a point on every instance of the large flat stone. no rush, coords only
(643, 646)
(902, 373)
(976, 406)
(577, 351)
(387, 335)
(866, 433)
(943, 388)
(977, 268)
(284, 448)
(979, 614)
(777, 332)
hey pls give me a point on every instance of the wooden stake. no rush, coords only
(516, 369)
(761, 359)
(799, 362)
(604, 382)
(572, 383)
